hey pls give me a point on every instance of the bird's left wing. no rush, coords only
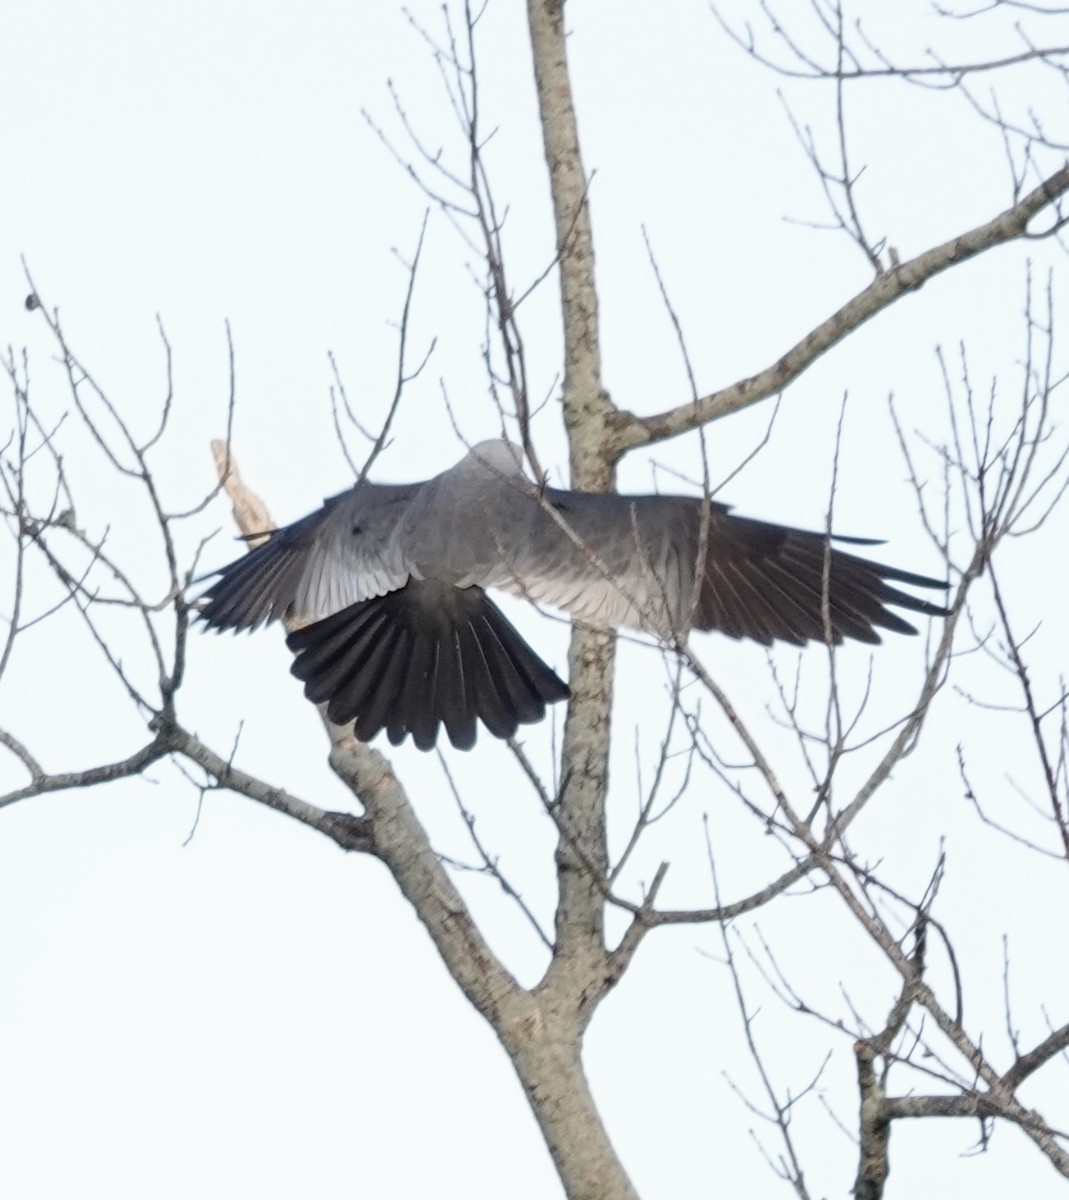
(347, 551)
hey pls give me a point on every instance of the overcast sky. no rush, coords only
(248, 1011)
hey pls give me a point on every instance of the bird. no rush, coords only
(400, 634)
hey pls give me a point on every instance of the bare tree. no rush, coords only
(804, 771)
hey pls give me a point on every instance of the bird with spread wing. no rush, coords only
(403, 637)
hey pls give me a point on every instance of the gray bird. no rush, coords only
(404, 637)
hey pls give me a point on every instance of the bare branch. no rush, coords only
(1008, 226)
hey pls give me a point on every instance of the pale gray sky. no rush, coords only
(255, 1013)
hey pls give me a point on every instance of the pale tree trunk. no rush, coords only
(546, 1056)
(541, 1030)
(549, 1062)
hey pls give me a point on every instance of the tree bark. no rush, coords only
(545, 1050)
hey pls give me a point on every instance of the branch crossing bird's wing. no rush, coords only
(404, 638)
(632, 560)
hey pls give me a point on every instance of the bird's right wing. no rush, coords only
(633, 560)
(607, 559)
(346, 552)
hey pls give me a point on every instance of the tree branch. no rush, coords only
(41, 783)
(579, 968)
(586, 406)
(1008, 226)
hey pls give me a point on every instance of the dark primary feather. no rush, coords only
(768, 583)
(404, 638)
(262, 586)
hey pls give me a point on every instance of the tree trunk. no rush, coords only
(545, 1050)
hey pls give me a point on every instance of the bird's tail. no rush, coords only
(425, 655)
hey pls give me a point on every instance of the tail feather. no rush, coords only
(450, 684)
(415, 710)
(519, 675)
(425, 655)
(367, 698)
(345, 652)
(481, 685)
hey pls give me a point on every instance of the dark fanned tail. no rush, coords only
(425, 655)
